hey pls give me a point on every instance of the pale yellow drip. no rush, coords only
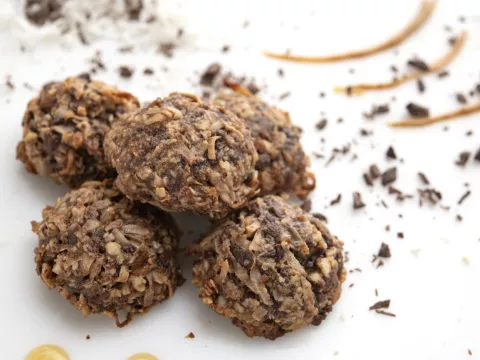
(48, 352)
(142, 356)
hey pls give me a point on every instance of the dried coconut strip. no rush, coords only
(422, 16)
(417, 122)
(437, 66)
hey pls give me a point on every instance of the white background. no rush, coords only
(434, 292)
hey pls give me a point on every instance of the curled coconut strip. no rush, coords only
(421, 17)
(237, 87)
(437, 66)
(417, 122)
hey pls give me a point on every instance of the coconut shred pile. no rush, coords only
(140, 22)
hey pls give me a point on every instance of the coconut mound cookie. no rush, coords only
(282, 164)
(64, 128)
(105, 253)
(272, 268)
(182, 155)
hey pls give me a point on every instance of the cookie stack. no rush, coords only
(111, 244)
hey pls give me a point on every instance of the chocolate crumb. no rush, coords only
(376, 292)
(461, 98)
(365, 132)
(423, 178)
(420, 86)
(382, 312)
(148, 71)
(470, 352)
(320, 217)
(384, 304)
(321, 124)
(391, 153)
(376, 110)
(462, 158)
(418, 64)
(477, 155)
(306, 205)
(9, 82)
(226, 48)
(384, 251)
(394, 68)
(443, 74)
(389, 176)
(336, 200)
(469, 133)
(125, 49)
(384, 204)
(357, 201)
(180, 33)
(125, 72)
(80, 33)
(374, 171)
(351, 285)
(190, 335)
(280, 72)
(252, 87)
(459, 217)
(166, 49)
(284, 95)
(452, 40)
(417, 110)
(322, 94)
(387, 228)
(400, 235)
(340, 120)
(210, 74)
(464, 197)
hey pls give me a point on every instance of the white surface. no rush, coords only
(434, 294)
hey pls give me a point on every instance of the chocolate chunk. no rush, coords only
(320, 217)
(461, 98)
(464, 197)
(389, 176)
(374, 171)
(210, 74)
(306, 205)
(423, 178)
(321, 124)
(125, 71)
(88, 337)
(391, 153)
(417, 110)
(336, 200)
(418, 64)
(384, 251)
(443, 74)
(477, 155)
(148, 71)
(357, 201)
(133, 8)
(368, 179)
(462, 158)
(384, 304)
(41, 11)
(420, 86)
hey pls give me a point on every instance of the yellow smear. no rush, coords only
(142, 356)
(48, 352)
